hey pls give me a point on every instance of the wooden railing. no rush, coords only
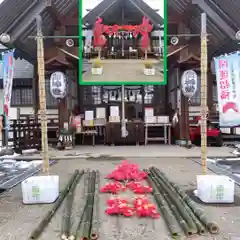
(25, 133)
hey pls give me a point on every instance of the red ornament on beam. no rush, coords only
(144, 29)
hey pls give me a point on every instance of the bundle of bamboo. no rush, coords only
(88, 227)
(66, 220)
(43, 224)
(88, 223)
(178, 210)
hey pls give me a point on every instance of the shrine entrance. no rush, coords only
(123, 31)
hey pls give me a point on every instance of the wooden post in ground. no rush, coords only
(204, 69)
(42, 94)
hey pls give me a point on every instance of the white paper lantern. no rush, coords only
(189, 83)
(58, 85)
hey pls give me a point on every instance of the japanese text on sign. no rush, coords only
(224, 79)
(190, 83)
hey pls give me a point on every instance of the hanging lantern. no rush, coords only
(189, 83)
(130, 35)
(58, 85)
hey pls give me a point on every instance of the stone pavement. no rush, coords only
(18, 220)
(133, 151)
(123, 71)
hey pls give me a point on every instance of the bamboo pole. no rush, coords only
(48, 217)
(204, 68)
(42, 94)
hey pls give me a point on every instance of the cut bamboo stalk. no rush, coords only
(211, 226)
(204, 110)
(176, 201)
(42, 94)
(43, 224)
(66, 220)
(82, 227)
(199, 224)
(89, 211)
(77, 229)
(167, 214)
(181, 221)
(96, 220)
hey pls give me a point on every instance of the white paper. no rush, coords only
(149, 112)
(150, 119)
(89, 116)
(100, 113)
(114, 111)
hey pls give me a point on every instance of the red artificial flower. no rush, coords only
(144, 208)
(119, 206)
(114, 188)
(127, 171)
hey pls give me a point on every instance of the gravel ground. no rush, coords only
(17, 220)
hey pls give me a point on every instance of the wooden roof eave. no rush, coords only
(215, 16)
(102, 7)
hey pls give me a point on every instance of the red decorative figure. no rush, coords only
(145, 28)
(99, 39)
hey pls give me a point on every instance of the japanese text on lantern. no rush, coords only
(224, 79)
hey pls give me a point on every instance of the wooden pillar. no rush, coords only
(62, 112)
(211, 78)
(35, 90)
(184, 119)
(184, 116)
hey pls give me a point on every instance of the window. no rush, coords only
(22, 96)
(148, 94)
(96, 94)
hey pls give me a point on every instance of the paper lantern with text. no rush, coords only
(58, 85)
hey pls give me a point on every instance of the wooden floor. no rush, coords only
(116, 70)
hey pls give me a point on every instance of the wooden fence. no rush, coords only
(25, 133)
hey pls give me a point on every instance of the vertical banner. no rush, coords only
(8, 63)
(228, 86)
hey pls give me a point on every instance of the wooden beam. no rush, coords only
(70, 21)
(51, 8)
(24, 24)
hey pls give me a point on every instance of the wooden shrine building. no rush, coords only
(124, 14)
(18, 19)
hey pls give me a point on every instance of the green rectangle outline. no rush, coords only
(81, 82)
